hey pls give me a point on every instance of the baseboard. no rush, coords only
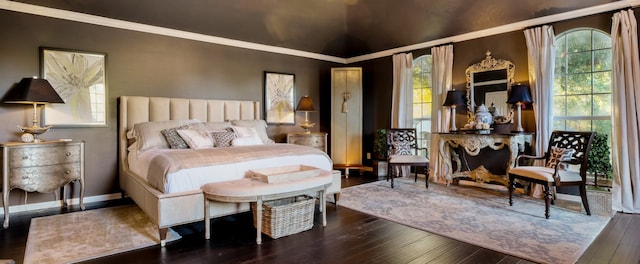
(57, 204)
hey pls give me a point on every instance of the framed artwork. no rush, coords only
(279, 91)
(79, 77)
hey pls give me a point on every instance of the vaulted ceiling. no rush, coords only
(342, 28)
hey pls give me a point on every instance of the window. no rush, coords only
(96, 93)
(582, 84)
(422, 99)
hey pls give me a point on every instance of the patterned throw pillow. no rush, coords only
(223, 138)
(195, 138)
(559, 154)
(402, 148)
(173, 138)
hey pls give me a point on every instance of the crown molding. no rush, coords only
(127, 25)
(502, 29)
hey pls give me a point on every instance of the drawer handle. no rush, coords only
(25, 157)
(67, 172)
(68, 154)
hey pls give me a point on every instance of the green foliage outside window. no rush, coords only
(582, 89)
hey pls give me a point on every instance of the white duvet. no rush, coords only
(192, 178)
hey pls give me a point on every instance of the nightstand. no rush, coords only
(41, 167)
(314, 139)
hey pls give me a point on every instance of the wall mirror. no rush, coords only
(489, 81)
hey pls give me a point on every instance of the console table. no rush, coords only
(472, 144)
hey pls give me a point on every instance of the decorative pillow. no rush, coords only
(223, 138)
(195, 138)
(402, 148)
(148, 136)
(216, 126)
(173, 138)
(259, 125)
(559, 154)
(246, 141)
(246, 136)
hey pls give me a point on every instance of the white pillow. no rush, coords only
(245, 131)
(210, 126)
(246, 141)
(148, 136)
(195, 138)
(259, 125)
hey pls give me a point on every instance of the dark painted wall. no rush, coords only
(510, 46)
(140, 64)
(152, 65)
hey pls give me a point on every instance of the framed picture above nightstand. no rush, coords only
(313, 139)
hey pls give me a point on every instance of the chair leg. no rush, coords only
(583, 194)
(511, 187)
(388, 171)
(391, 169)
(547, 200)
(415, 169)
(426, 176)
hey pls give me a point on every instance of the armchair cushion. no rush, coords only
(545, 173)
(407, 159)
(559, 154)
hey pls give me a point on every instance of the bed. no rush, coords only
(167, 187)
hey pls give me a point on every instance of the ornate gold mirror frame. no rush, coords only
(489, 81)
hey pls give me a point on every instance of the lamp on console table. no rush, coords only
(519, 95)
(454, 99)
(33, 91)
(306, 105)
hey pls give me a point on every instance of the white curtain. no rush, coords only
(441, 79)
(626, 104)
(402, 101)
(541, 56)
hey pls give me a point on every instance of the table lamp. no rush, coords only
(33, 91)
(454, 99)
(519, 95)
(306, 105)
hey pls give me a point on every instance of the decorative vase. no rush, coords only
(483, 116)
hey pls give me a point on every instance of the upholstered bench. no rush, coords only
(251, 190)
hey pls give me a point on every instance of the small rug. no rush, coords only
(481, 217)
(90, 234)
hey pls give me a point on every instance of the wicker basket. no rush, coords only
(286, 216)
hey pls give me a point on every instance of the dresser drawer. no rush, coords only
(42, 156)
(315, 140)
(44, 179)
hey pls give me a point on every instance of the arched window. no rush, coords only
(582, 82)
(422, 98)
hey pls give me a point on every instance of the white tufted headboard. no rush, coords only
(138, 109)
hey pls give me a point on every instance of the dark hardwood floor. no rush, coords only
(349, 237)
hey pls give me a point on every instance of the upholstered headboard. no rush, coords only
(138, 109)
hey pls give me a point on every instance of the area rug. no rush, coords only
(79, 236)
(481, 217)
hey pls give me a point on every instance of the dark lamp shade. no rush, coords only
(519, 94)
(32, 90)
(305, 105)
(454, 97)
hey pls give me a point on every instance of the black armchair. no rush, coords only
(565, 148)
(403, 151)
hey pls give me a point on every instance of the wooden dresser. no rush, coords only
(314, 139)
(41, 167)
